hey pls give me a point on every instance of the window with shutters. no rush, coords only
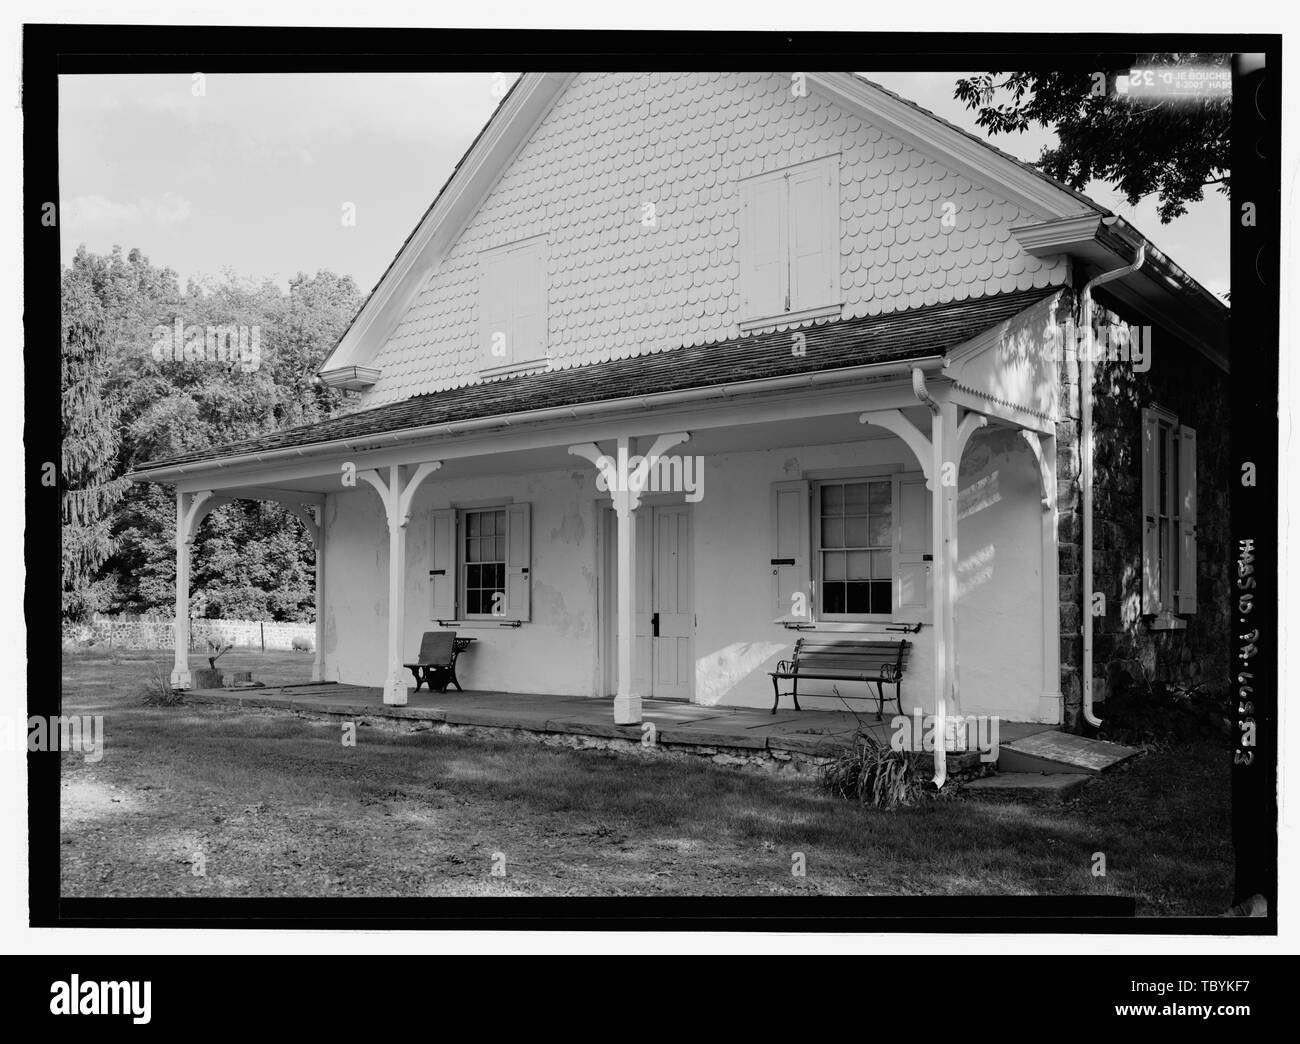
(1168, 517)
(790, 244)
(512, 306)
(850, 550)
(480, 563)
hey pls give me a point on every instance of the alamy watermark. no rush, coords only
(83, 733)
(655, 474)
(1111, 342)
(920, 733)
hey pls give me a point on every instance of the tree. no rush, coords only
(1174, 148)
(91, 487)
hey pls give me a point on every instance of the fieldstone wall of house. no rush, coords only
(1126, 648)
(144, 632)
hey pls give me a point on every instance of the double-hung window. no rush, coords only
(851, 550)
(481, 562)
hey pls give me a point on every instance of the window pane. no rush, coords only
(473, 576)
(472, 602)
(488, 525)
(471, 523)
(833, 565)
(882, 596)
(855, 532)
(859, 567)
(832, 532)
(882, 565)
(880, 496)
(878, 531)
(833, 598)
(859, 597)
(500, 549)
(855, 498)
(832, 500)
(499, 577)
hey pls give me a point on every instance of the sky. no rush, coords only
(254, 173)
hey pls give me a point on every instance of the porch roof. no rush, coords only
(891, 337)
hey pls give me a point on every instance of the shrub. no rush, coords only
(873, 773)
(158, 691)
(1143, 712)
(301, 644)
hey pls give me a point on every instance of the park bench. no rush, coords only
(436, 662)
(877, 662)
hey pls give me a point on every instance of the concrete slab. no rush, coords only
(1060, 752)
(1028, 786)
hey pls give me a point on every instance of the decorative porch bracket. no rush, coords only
(917, 442)
(191, 510)
(625, 488)
(397, 498)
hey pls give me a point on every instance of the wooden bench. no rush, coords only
(878, 662)
(436, 662)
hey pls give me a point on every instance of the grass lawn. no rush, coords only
(275, 805)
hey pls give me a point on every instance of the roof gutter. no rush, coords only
(1085, 465)
(581, 411)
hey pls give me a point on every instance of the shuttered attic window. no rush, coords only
(790, 245)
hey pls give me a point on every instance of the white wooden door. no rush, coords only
(673, 604)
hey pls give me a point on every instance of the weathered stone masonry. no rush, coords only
(1125, 646)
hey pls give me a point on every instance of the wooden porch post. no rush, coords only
(396, 498)
(191, 510)
(941, 589)
(181, 678)
(625, 485)
(1051, 702)
(318, 664)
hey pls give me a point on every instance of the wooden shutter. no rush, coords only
(528, 274)
(1185, 595)
(495, 309)
(915, 557)
(519, 544)
(814, 235)
(442, 565)
(764, 273)
(791, 550)
(1150, 507)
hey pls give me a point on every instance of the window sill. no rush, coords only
(852, 627)
(476, 625)
(788, 318)
(512, 368)
(1167, 622)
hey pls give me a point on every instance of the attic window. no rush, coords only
(512, 307)
(790, 244)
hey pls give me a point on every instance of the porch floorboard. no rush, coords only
(739, 729)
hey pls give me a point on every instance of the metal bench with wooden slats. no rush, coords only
(436, 663)
(873, 662)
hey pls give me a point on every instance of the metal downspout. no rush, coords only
(1085, 466)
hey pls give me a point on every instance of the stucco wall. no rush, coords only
(736, 641)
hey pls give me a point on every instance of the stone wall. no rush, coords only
(1125, 645)
(143, 632)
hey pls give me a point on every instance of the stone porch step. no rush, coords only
(1055, 752)
(1029, 786)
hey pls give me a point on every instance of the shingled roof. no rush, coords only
(892, 337)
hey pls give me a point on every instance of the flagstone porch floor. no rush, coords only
(739, 731)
